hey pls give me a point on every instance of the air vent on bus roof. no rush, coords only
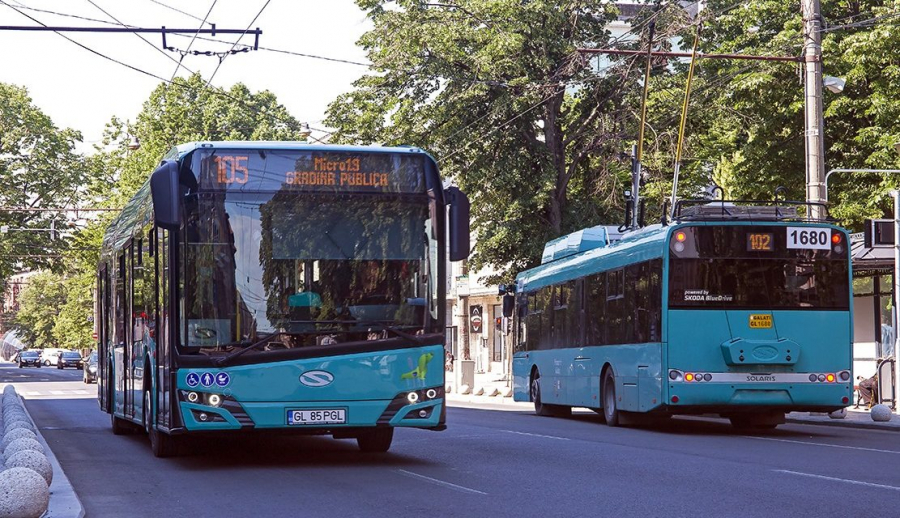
(575, 243)
(728, 210)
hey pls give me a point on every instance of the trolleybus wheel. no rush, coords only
(610, 410)
(544, 409)
(376, 441)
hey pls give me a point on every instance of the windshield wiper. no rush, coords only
(225, 359)
(396, 330)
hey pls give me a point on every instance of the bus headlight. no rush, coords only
(412, 397)
(193, 397)
(215, 399)
(431, 393)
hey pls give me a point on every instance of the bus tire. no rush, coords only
(610, 409)
(544, 409)
(376, 441)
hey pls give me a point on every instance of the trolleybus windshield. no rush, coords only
(758, 267)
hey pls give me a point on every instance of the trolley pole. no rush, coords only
(815, 139)
(896, 279)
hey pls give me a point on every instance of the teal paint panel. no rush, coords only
(193, 424)
(364, 376)
(407, 416)
(818, 341)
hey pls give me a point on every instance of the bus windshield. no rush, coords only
(754, 267)
(306, 268)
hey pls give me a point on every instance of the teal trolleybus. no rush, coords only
(254, 286)
(736, 310)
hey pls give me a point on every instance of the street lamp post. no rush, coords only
(895, 278)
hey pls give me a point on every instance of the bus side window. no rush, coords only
(615, 306)
(596, 308)
(532, 323)
(655, 300)
(545, 303)
(561, 308)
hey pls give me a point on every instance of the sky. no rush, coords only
(81, 90)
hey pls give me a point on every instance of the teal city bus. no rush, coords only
(737, 310)
(279, 286)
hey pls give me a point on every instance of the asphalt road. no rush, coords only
(488, 463)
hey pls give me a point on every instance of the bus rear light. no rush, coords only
(844, 375)
(821, 377)
(674, 399)
(689, 377)
(707, 377)
(829, 378)
(845, 400)
(836, 238)
(675, 375)
(680, 236)
(813, 377)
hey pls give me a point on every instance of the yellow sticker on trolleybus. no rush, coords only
(758, 321)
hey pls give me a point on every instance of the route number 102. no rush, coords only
(231, 169)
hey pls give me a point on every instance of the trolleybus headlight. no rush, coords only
(203, 416)
(431, 393)
(215, 399)
(844, 375)
(689, 377)
(821, 377)
(412, 397)
(423, 413)
(830, 378)
(193, 397)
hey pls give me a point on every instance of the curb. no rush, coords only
(64, 502)
(843, 423)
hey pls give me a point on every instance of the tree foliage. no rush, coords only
(39, 169)
(497, 92)
(39, 306)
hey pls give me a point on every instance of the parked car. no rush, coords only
(50, 356)
(70, 359)
(29, 358)
(90, 368)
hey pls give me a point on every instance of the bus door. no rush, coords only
(128, 352)
(580, 392)
(102, 343)
(118, 354)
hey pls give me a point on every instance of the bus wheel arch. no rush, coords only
(608, 396)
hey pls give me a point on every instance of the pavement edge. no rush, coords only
(840, 423)
(64, 502)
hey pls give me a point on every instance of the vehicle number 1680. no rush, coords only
(808, 238)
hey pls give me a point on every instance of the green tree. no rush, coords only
(39, 168)
(746, 123)
(40, 303)
(73, 324)
(496, 90)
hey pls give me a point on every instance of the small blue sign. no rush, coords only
(193, 379)
(207, 379)
(223, 379)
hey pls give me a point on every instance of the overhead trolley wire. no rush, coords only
(222, 59)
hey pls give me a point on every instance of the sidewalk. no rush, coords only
(855, 418)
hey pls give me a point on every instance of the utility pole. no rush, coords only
(814, 135)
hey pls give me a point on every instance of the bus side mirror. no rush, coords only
(509, 305)
(459, 223)
(165, 189)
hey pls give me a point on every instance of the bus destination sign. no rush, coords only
(312, 171)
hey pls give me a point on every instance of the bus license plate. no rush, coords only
(317, 416)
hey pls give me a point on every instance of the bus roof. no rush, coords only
(640, 245)
(180, 150)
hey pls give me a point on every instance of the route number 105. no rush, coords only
(231, 169)
(809, 238)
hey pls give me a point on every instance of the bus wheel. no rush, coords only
(541, 408)
(610, 410)
(376, 441)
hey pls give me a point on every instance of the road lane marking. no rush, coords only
(822, 444)
(440, 482)
(539, 435)
(835, 479)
